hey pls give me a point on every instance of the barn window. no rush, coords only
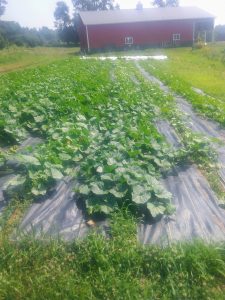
(129, 40)
(176, 37)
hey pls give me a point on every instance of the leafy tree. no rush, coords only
(3, 42)
(2, 6)
(48, 36)
(165, 3)
(93, 4)
(139, 5)
(117, 6)
(61, 15)
(68, 35)
(66, 30)
(219, 33)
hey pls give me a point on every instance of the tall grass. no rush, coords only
(17, 58)
(117, 267)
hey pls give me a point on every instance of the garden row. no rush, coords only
(94, 130)
(98, 131)
(212, 107)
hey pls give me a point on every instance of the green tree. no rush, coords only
(165, 3)
(67, 32)
(219, 33)
(117, 6)
(61, 15)
(2, 6)
(139, 5)
(11, 33)
(3, 42)
(93, 4)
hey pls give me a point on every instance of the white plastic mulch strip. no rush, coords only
(155, 57)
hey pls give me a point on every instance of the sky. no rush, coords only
(38, 13)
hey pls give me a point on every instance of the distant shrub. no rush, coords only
(199, 45)
(3, 42)
(219, 33)
(223, 57)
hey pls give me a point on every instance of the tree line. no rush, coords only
(66, 27)
(11, 33)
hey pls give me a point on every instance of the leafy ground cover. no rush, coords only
(99, 132)
(93, 132)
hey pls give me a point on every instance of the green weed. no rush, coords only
(115, 268)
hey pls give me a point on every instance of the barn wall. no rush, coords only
(82, 35)
(152, 33)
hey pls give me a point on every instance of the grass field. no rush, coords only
(201, 68)
(98, 127)
(15, 58)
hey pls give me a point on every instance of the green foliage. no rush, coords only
(115, 268)
(3, 42)
(211, 107)
(219, 33)
(165, 3)
(99, 132)
(18, 58)
(67, 31)
(194, 148)
(61, 14)
(68, 34)
(2, 6)
(102, 129)
(93, 5)
(13, 33)
(102, 134)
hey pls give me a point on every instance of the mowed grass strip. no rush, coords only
(201, 68)
(115, 268)
(17, 58)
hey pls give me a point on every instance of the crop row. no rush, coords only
(211, 107)
(98, 131)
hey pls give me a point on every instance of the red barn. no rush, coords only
(144, 27)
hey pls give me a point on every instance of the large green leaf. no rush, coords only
(98, 189)
(28, 159)
(155, 210)
(140, 195)
(56, 174)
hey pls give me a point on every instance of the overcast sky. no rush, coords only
(38, 13)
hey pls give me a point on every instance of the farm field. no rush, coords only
(102, 155)
(15, 58)
(202, 69)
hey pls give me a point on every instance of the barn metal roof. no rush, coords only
(144, 15)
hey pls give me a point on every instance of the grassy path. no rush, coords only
(118, 268)
(15, 59)
(203, 68)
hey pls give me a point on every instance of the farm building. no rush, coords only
(144, 27)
